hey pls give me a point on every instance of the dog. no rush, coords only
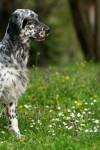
(22, 28)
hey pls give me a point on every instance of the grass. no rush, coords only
(59, 111)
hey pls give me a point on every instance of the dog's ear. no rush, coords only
(14, 25)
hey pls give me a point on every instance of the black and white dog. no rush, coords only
(23, 27)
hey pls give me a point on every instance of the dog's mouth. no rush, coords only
(40, 36)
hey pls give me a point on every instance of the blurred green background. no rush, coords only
(62, 46)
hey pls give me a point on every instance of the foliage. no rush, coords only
(59, 111)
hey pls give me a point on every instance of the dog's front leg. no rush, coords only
(13, 121)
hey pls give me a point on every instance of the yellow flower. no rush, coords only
(64, 117)
(69, 110)
(57, 96)
(67, 78)
(95, 96)
(22, 139)
(79, 104)
(83, 65)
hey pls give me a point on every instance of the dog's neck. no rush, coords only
(16, 47)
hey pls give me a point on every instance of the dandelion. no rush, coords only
(67, 78)
(79, 104)
(57, 96)
(64, 117)
(83, 65)
(95, 96)
(22, 139)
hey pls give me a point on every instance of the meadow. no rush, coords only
(59, 111)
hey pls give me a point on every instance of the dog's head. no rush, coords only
(25, 24)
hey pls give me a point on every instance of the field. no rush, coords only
(59, 111)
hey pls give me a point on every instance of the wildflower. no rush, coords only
(70, 127)
(69, 110)
(68, 118)
(64, 117)
(72, 115)
(64, 123)
(96, 121)
(61, 114)
(79, 104)
(95, 96)
(57, 96)
(85, 103)
(50, 126)
(96, 130)
(67, 78)
(78, 115)
(3, 132)
(86, 130)
(94, 100)
(22, 139)
(83, 65)
(91, 103)
(58, 107)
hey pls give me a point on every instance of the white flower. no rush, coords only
(58, 107)
(70, 127)
(3, 132)
(73, 107)
(84, 112)
(96, 130)
(89, 112)
(78, 115)
(66, 127)
(64, 123)
(85, 109)
(82, 125)
(50, 126)
(61, 114)
(92, 103)
(94, 100)
(86, 130)
(96, 121)
(72, 115)
(91, 131)
(85, 103)
(53, 134)
(31, 126)
(68, 118)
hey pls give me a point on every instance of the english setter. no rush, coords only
(22, 28)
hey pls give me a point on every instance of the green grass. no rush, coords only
(59, 111)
